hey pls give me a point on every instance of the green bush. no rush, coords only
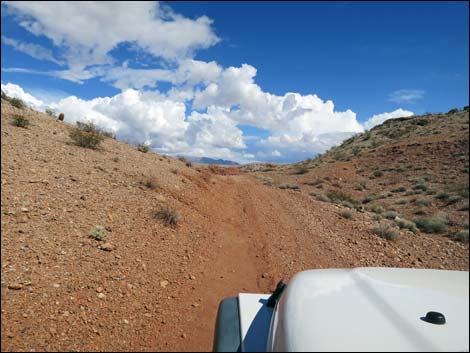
(378, 173)
(86, 135)
(20, 121)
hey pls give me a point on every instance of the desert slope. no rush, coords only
(159, 286)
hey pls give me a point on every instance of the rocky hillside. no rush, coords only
(115, 249)
(405, 170)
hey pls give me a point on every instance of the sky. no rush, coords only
(243, 81)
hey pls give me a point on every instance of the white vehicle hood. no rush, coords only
(370, 309)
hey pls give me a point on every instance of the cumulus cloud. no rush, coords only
(88, 38)
(406, 95)
(380, 118)
(16, 91)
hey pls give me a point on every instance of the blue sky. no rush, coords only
(248, 81)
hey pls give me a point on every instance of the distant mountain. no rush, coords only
(207, 160)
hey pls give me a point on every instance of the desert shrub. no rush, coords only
(453, 111)
(300, 171)
(420, 186)
(422, 202)
(20, 121)
(108, 134)
(18, 103)
(320, 196)
(51, 112)
(401, 202)
(390, 214)
(185, 161)
(442, 195)
(98, 233)
(369, 198)
(4, 96)
(409, 193)
(399, 189)
(377, 209)
(143, 147)
(432, 225)
(346, 214)
(464, 207)
(378, 173)
(167, 215)
(314, 183)
(289, 186)
(453, 199)
(462, 236)
(86, 135)
(337, 196)
(385, 231)
(406, 224)
(151, 183)
(420, 212)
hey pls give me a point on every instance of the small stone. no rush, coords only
(107, 247)
(195, 305)
(124, 321)
(265, 275)
(101, 295)
(56, 285)
(164, 283)
(24, 209)
(99, 290)
(15, 286)
(183, 335)
(191, 277)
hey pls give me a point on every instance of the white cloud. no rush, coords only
(276, 153)
(16, 91)
(406, 95)
(33, 50)
(380, 118)
(88, 31)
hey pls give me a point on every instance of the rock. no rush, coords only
(124, 321)
(24, 209)
(191, 277)
(99, 290)
(15, 286)
(164, 283)
(107, 247)
(61, 117)
(101, 295)
(56, 285)
(265, 275)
